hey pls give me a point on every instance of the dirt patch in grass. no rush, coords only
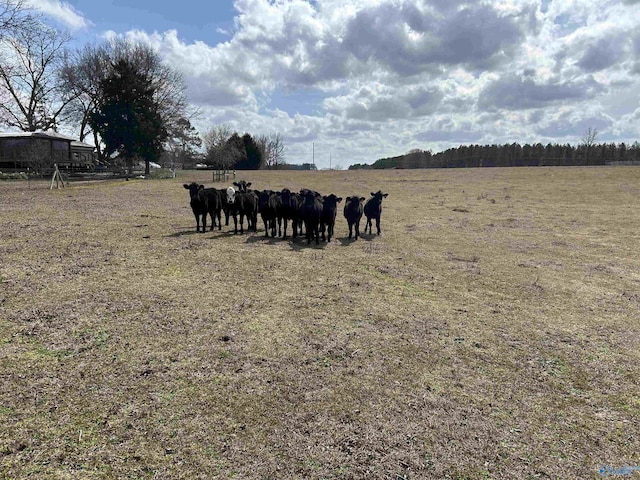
(491, 331)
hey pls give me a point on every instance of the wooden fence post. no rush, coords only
(57, 178)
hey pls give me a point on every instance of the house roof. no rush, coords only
(50, 134)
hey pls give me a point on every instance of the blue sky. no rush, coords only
(194, 20)
(365, 79)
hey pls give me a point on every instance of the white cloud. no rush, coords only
(390, 75)
(62, 12)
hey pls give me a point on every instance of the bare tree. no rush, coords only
(589, 142)
(31, 97)
(589, 137)
(217, 148)
(276, 150)
(272, 149)
(81, 73)
(183, 139)
(15, 16)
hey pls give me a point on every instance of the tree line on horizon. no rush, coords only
(513, 155)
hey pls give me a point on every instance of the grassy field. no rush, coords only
(491, 331)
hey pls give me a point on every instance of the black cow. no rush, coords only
(311, 212)
(373, 210)
(269, 204)
(251, 209)
(290, 210)
(225, 205)
(204, 201)
(243, 204)
(300, 198)
(353, 213)
(329, 212)
(242, 185)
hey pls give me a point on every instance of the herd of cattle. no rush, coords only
(307, 209)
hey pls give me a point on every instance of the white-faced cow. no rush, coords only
(353, 208)
(329, 212)
(204, 201)
(373, 210)
(243, 204)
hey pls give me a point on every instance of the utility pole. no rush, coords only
(313, 153)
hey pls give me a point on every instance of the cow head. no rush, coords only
(378, 196)
(310, 196)
(331, 200)
(263, 197)
(231, 195)
(242, 185)
(194, 189)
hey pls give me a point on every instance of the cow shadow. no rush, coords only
(224, 234)
(346, 241)
(191, 231)
(258, 237)
(300, 243)
(297, 244)
(300, 246)
(212, 234)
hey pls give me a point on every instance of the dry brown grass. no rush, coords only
(490, 332)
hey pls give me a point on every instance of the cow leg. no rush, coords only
(350, 230)
(242, 222)
(378, 225)
(235, 223)
(219, 215)
(266, 227)
(357, 229)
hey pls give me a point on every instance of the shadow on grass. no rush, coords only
(346, 241)
(296, 244)
(183, 233)
(300, 243)
(217, 233)
(260, 237)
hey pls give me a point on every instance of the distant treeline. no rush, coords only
(512, 155)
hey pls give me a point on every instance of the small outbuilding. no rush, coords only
(39, 151)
